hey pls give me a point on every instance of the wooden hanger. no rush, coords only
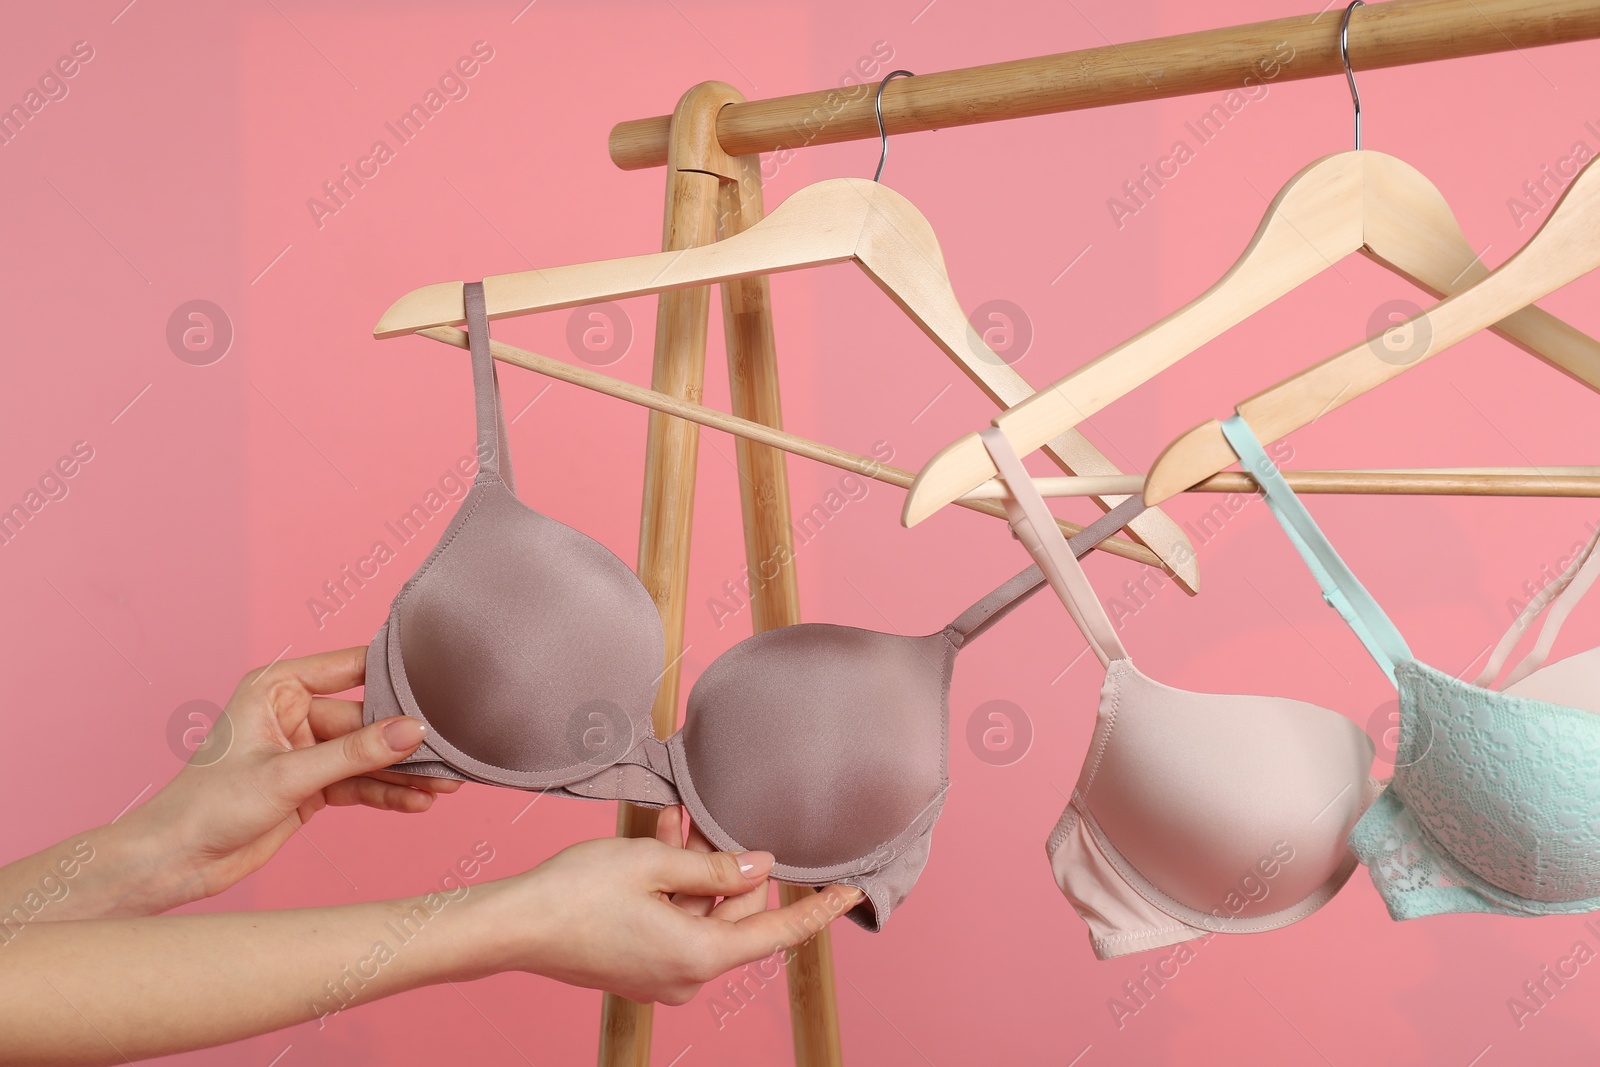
(753, 431)
(830, 221)
(1358, 201)
(1398, 481)
(1566, 247)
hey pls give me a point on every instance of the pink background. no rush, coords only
(179, 166)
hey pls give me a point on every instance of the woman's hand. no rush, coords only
(601, 914)
(288, 749)
(673, 827)
(280, 752)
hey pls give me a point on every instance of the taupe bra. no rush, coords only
(533, 654)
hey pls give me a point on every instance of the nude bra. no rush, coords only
(533, 654)
(1495, 801)
(1194, 813)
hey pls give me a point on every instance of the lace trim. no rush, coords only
(1493, 800)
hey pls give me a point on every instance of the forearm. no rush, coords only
(105, 872)
(107, 990)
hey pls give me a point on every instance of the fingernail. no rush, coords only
(748, 861)
(403, 732)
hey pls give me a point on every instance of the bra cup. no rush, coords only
(819, 743)
(1573, 682)
(1507, 783)
(527, 645)
(1235, 806)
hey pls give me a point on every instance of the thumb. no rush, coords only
(371, 748)
(718, 874)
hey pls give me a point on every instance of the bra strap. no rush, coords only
(494, 453)
(998, 604)
(1036, 528)
(1564, 592)
(1340, 588)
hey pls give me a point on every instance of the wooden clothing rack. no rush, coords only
(710, 147)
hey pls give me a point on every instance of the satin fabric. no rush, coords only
(1194, 813)
(533, 653)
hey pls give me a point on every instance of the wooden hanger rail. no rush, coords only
(1213, 60)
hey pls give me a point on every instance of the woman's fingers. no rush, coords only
(743, 905)
(669, 826)
(669, 831)
(332, 717)
(424, 782)
(286, 689)
(325, 672)
(385, 796)
(305, 771)
(711, 874)
(758, 936)
(695, 905)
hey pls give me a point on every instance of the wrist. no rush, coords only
(140, 867)
(502, 928)
(102, 873)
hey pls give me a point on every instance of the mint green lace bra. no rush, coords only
(1495, 801)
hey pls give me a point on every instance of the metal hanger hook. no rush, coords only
(1344, 55)
(877, 107)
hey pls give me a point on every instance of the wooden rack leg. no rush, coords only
(711, 195)
(769, 557)
(671, 450)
